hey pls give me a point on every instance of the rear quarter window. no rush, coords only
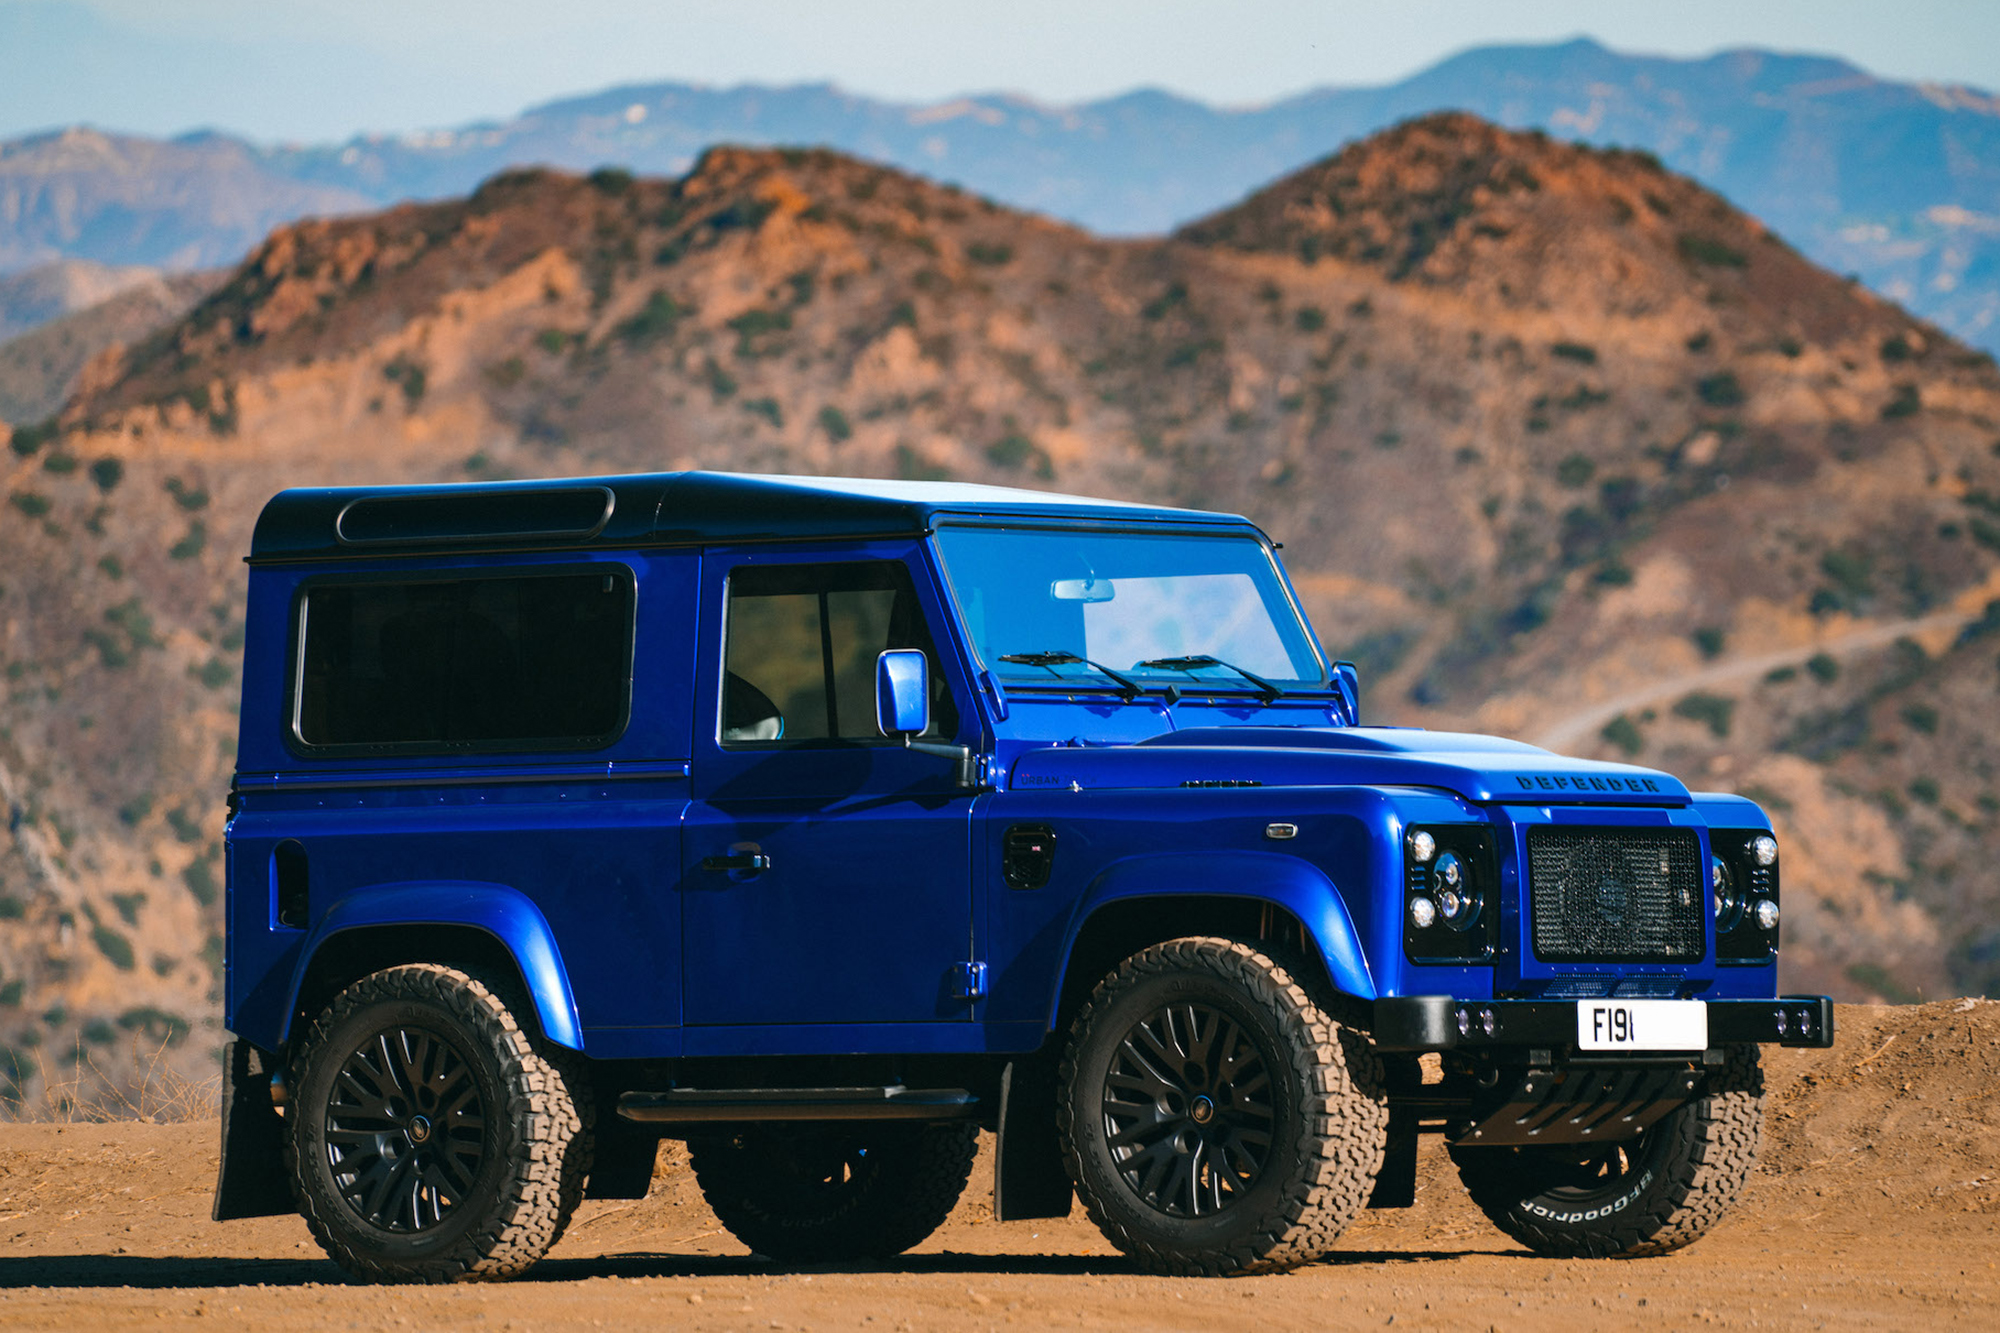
(493, 662)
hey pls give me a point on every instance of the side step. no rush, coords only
(704, 1106)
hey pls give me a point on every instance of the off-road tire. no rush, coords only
(535, 1143)
(834, 1193)
(1657, 1193)
(1328, 1114)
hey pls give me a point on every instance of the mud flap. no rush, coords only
(251, 1180)
(1029, 1178)
(621, 1161)
(1396, 1184)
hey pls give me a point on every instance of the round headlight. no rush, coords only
(1765, 848)
(1423, 847)
(1458, 901)
(1728, 895)
(1423, 913)
(1765, 913)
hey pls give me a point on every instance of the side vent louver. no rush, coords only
(1027, 855)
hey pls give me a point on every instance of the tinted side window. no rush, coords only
(536, 662)
(802, 643)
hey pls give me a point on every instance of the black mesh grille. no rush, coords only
(1616, 895)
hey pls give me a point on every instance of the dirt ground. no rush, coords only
(1876, 1204)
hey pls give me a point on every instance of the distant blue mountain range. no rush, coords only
(1897, 183)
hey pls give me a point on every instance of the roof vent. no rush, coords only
(576, 513)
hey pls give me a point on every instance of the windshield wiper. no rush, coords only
(1266, 691)
(1129, 688)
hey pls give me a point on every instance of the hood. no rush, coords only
(1479, 768)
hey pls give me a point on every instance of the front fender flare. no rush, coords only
(506, 914)
(1298, 886)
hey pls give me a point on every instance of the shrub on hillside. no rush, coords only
(1624, 733)
(113, 946)
(1721, 389)
(1707, 250)
(1715, 711)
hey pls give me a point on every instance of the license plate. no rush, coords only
(1641, 1025)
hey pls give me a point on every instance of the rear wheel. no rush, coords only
(1216, 1120)
(1649, 1195)
(428, 1139)
(804, 1193)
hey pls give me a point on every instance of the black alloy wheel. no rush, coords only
(812, 1193)
(1647, 1195)
(1215, 1120)
(429, 1137)
(1187, 1110)
(405, 1129)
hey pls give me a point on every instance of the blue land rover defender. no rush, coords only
(822, 823)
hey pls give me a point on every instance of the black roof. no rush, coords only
(652, 509)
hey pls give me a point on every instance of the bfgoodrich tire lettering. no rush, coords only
(429, 1140)
(829, 1193)
(1215, 1120)
(1656, 1193)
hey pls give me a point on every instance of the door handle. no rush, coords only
(751, 861)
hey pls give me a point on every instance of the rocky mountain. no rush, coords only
(77, 310)
(36, 296)
(124, 200)
(1898, 183)
(1559, 442)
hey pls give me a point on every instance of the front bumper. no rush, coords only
(1443, 1023)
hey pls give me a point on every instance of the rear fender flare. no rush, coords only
(506, 914)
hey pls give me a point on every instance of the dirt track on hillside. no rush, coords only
(1876, 1204)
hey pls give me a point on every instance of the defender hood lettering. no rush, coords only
(1479, 768)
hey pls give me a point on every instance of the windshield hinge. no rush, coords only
(991, 685)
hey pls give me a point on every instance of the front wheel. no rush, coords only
(429, 1140)
(1655, 1193)
(811, 1193)
(1215, 1119)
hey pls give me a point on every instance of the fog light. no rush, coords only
(1464, 1022)
(1487, 1022)
(1766, 913)
(1423, 846)
(1783, 1020)
(1765, 848)
(1423, 913)
(1804, 1022)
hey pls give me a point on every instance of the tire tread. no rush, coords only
(549, 1145)
(1346, 1107)
(1712, 1154)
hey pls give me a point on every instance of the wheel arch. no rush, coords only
(487, 927)
(1148, 900)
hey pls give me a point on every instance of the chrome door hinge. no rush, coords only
(968, 981)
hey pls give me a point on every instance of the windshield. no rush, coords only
(1152, 608)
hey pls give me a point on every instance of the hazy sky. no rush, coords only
(324, 69)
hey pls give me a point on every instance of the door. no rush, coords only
(828, 870)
